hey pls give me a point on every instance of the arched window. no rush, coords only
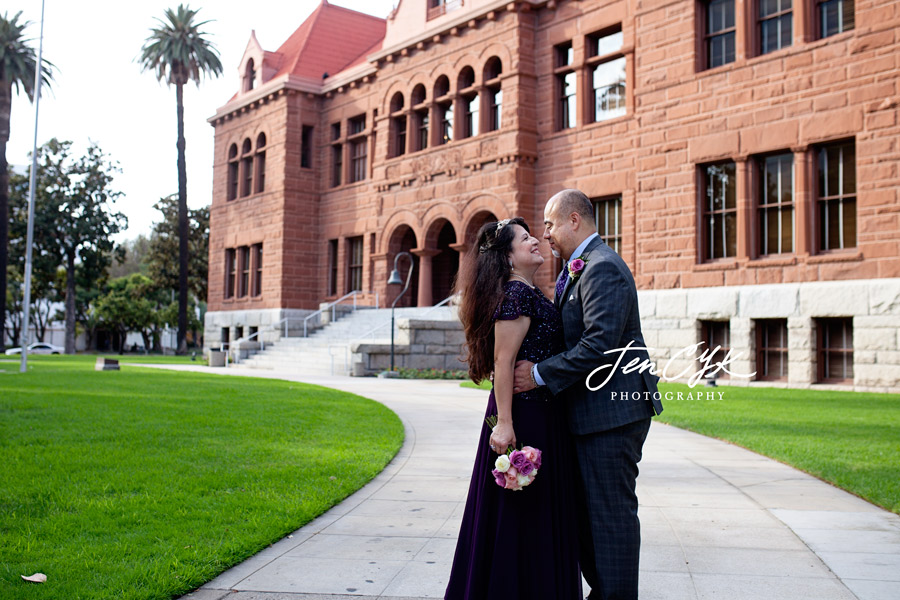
(261, 163)
(398, 127)
(420, 118)
(466, 78)
(470, 103)
(492, 71)
(246, 168)
(233, 168)
(441, 86)
(249, 76)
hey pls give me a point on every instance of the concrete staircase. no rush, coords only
(327, 350)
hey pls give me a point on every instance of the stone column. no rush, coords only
(744, 208)
(425, 255)
(801, 351)
(742, 347)
(804, 201)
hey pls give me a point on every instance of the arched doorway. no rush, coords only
(475, 224)
(445, 264)
(403, 240)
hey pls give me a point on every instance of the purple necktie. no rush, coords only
(562, 281)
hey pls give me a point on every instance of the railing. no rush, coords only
(443, 302)
(437, 8)
(286, 321)
(237, 347)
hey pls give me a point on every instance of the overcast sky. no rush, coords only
(99, 92)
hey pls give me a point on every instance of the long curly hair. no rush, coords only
(482, 274)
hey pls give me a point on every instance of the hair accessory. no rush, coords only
(500, 226)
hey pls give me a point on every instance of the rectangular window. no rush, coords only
(471, 108)
(446, 112)
(608, 216)
(244, 259)
(720, 33)
(247, 182)
(257, 269)
(399, 124)
(355, 264)
(260, 172)
(836, 192)
(233, 167)
(337, 164)
(771, 350)
(230, 272)
(566, 85)
(358, 160)
(776, 28)
(332, 267)
(719, 211)
(834, 350)
(495, 94)
(716, 335)
(421, 129)
(607, 67)
(306, 147)
(357, 125)
(835, 16)
(438, 8)
(775, 198)
(335, 131)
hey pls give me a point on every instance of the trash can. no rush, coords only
(216, 358)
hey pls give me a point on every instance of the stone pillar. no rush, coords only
(744, 203)
(803, 201)
(801, 351)
(743, 348)
(425, 255)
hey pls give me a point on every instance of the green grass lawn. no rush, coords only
(851, 439)
(146, 484)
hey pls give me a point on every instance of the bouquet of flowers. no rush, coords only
(515, 469)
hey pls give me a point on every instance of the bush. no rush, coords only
(406, 373)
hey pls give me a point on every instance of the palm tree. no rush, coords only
(177, 52)
(17, 62)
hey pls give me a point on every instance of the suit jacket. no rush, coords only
(599, 311)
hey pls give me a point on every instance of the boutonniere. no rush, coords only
(576, 267)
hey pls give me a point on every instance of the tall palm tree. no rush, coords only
(177, 52)
(17, 62)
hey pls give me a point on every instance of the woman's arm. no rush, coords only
(508, 337)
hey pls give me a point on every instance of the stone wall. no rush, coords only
(671, 322)
(419, 344)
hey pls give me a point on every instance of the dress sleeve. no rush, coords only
(518, 300)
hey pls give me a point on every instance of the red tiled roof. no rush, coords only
(330, 40)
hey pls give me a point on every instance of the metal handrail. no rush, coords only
(237, 345)
(387, 323)
(330, 306)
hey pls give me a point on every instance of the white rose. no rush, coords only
(523, 480)
(502, 463)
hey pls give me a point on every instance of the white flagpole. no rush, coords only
(29, 240)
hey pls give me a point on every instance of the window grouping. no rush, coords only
(351, 137)
(243, 271)
(247, 168)
(446, 112)
(770, 25)
(604, 69)
(833, 347)
(773, 194)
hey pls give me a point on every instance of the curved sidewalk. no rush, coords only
(717, 521)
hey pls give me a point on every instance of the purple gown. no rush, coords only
(522, 545)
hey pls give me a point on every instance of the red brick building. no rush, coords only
(743, 156)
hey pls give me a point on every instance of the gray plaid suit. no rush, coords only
(600, 312)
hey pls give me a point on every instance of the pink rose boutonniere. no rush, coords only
(576, 267)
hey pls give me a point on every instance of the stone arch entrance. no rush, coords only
(475, 223)
(445, 263)
(403, 240)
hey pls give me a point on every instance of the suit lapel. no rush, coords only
(594, 243)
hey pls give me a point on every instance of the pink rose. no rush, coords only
(512, 481)
(575, 267)
(533, 454)
(499, 477)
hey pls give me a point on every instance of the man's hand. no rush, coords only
(522, 381)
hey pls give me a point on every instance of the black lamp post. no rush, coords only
(394, 279)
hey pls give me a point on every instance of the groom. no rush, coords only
(597, 299)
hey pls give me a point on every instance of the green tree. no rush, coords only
(134, 253)
(162, 254)
(76, 197)
(17, 67)
(128, 306)
(178, 52)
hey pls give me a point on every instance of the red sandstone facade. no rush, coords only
(782, 123)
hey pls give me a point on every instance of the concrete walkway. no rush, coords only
(718, 521)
